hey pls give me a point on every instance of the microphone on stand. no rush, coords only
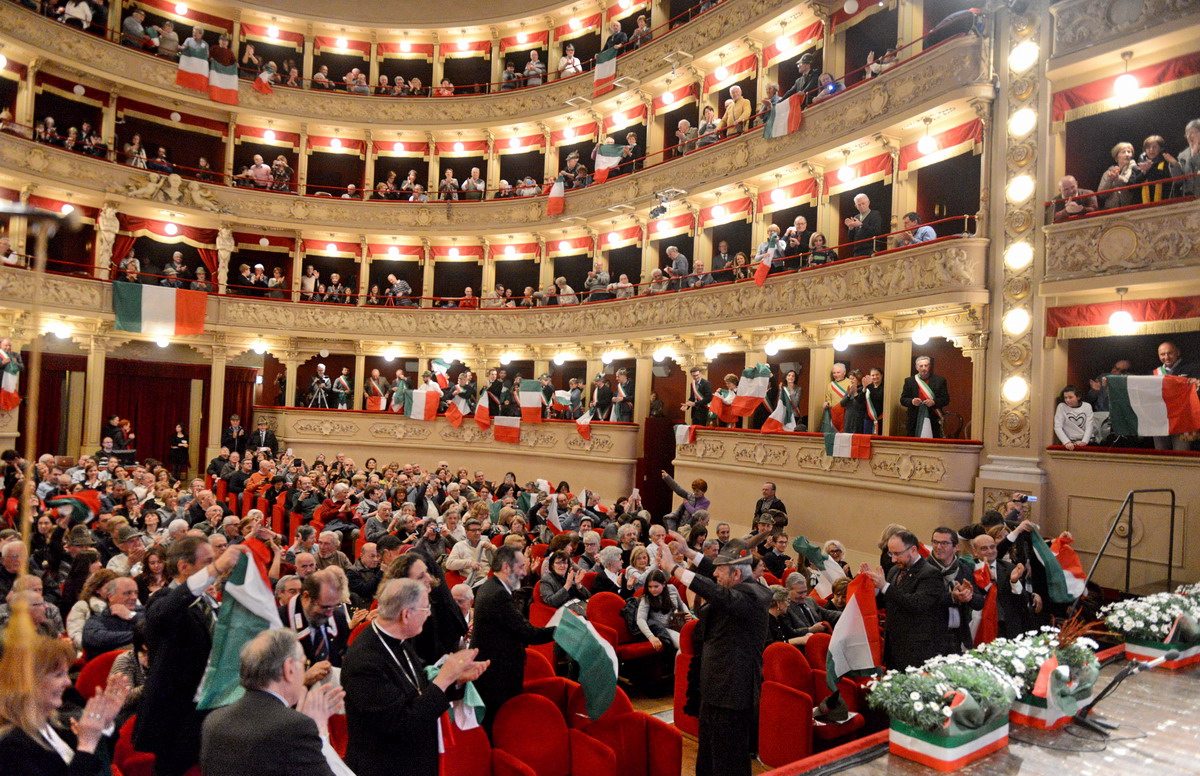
(1099, 726)
(1142, 665)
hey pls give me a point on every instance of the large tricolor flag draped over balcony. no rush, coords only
(530, 397)
(784, 117)
(263, 82)
(583, 424)
(557, 199)
(222, 76)
(1152, 405)
(193, 68)
(424, 405)
(605, 73)
(506, 429)
(456, 410)
(839, 445)
(158, 311)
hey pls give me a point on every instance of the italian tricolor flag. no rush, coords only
(9, 378)
(1152, 405)
(608, 156)
(483, 415)
(839, 445)
(685, 435)
(561, 401)
(263, 82)
(456, 410)
(441, 370)
(781, 418)
(855, 648)
(84, 505)
(158, 311)
(764, 266)
(557, 199)
(424, 405)
(193, 69)
(506, 429)
(722, 405)
(605, 73)
(583, 424)
(596, 658)
(784, 117)
(223, 78)
(752, 390)
(1065, 578)
(830, 570)
(248, 608)
(530, 397)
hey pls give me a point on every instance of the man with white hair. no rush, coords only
(737, 112)
(319, 388)
(864, 227)
(175, 529)
(328, 553)
(113, 628)
(923, 396)
(685, 138)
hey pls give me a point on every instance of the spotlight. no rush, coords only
(574, 24)
(771, 349)
(1122, 324)
(453, 253)
(389, 355)
(272, 32)
(331, 247)
(342, 43)
(606, 359)
(67, 209)
(1023, 56)
(60, 329)
(181, 9)
(336, 142)
(564, 246)
(846, 174)
(658, 211)
(269, 135)
(458, 147)
(668, 98)
(405, 46)
(1020, 189)
(1017, 320)
(719, 212)
(1022, 122)
(569, 133)
(660, 356)
(927, 145)
(505, 359)
(171, 229)
(778, 195)
(162, 342)
(1019, 255)
(721, 73)
(462, 45)
(522, 38)
(663, 227)
(510, 250)
(398, 148)
(514, 142)
(560, 359)
(393, 252)
(711, 352)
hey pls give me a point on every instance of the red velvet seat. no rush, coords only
(536, 665)
(608, 543)
(539, 615)
(587, 579)
(454, 578)
(358, 629)
(339, 734)
(771, 579)
(208, 482)
(785, 665)
(222, 490)
(785, 724)
(246, 503)
(555, 750)
(129, 760)
(94, 675)
(469, 753)
(577, 708)
(644, 745)
(684, 721)
(556, 689)
(498, 539)
(605, 609)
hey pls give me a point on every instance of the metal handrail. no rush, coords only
(1129, 544)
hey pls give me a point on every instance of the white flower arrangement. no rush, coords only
(922, 696)
(1192, 590)
(1024, 655)
(1150, 618)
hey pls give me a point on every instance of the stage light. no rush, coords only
(505, 359)
(59, 329)
(181, 9)
(1015, 389)
(920, 335)
(846, 174)
(272, 32)
(1020, 189)
(264, 242)
(259, 347)
(79, 90)
(1122, 324)
(841, 343)
(269, 135)
(336, 142)
(331, 247)
(1023, 56)
(927, 145)
(721, 73)
(1018, 256)
(606, 359)
(778, 195)
(711, 352)
(1016, 321)
(514, 142)
(569, 133)
(393, 252)
(1022, 122)
(342, 43)
(668, 98)
(67, 209)
(771, 349)
(389, 355)
(162, 342)
(560, 359)
(171, 229)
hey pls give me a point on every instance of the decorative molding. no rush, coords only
(597, 444)
(953, 70)
(467, 434)
(325, 428)
(760, 454)
(814, 458)
(399, 431)
(703, 448)
(1082, 24)
(906, 467)
(1136, 241)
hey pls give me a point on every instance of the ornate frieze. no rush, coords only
(1135, 241)
(1081, 24)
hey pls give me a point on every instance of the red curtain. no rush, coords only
(209, 257)
(121, 246)
(50, 436)
(1142, 310)
(154, 396)
(1069, 100)
(239, 394)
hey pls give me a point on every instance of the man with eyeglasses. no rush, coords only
(1010, 586)
(320, 623)
(961, 596)
(914, 596)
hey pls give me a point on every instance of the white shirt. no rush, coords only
(569, 66)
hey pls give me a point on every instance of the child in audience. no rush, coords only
(1073, 422)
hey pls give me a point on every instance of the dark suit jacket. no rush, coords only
(808, 613)
(941, 397)
(258, 734)
(293, 617)
(603, 403)
(916, 612)
(1010, 606)
(392, 727)
(872, 226)
(763, 504)
(806, 83)
(501, 634)
(734, 637)
(235, 444)
(256, 441)
(22, 756)
(703, 396)
(954, 640)
(602, 584)
(177, 633)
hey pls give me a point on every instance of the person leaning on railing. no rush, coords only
(1188, 162)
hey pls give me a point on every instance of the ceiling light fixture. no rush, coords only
(927, 145)
(1126, 83)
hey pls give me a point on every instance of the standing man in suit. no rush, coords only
(235, 436)
(501, 632)
(179, 621)
(914, 597)
(806, 82)
(623, 398)
(1171, 363)
(392, 708)
(798, 237)
(602, 398)
(700, 393)
(735, 624)
(376, 391)
(961, 596)
(863, 227)
(767, 502)
(1010, 587)
(923, 396)
(261, 733)
(679, 268)
(263, 438)
(319, 620)
(722, 263)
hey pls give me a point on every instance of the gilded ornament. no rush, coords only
(1013, 421)
(1117, 244)
(1015, 354)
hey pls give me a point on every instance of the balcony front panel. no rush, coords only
(122, 65)
(1131, 242)
(946, 272)
(1082, 24)
(954, 71)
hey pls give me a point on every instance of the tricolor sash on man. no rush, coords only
(828, 569)
(924, 413)
(456, 410)
(836, 411)
(872, 413)
(10, 378)
(752, 390)
(192, 72)
(506, 428)
(985, 623)
(376, 400)
(530, 398)
(424, 405)
(784, 117)
(557, 199)
(605, 73)
(608, 156)
(1152, 405)
(855, 647)
(158, 311)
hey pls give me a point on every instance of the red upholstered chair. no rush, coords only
(785, 665)
(555, 750)
(816, 649)
(339, 734)
(454, 578)
(232, 500)
(222, 490)
(355, 633)
(644, 745)
(539, 615)
(785, 724)
(263, 505)
(608, 543)
(129, 760)
(498, 539)
(577, 709)
(208, 482)
(94, 675)
(587, 579)
(556, 689)
(247, 503)
(538, 553)
(295, 519)
(537, 666)
(685, 722)
(605, 609)
(468, 752)
(771, 579)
